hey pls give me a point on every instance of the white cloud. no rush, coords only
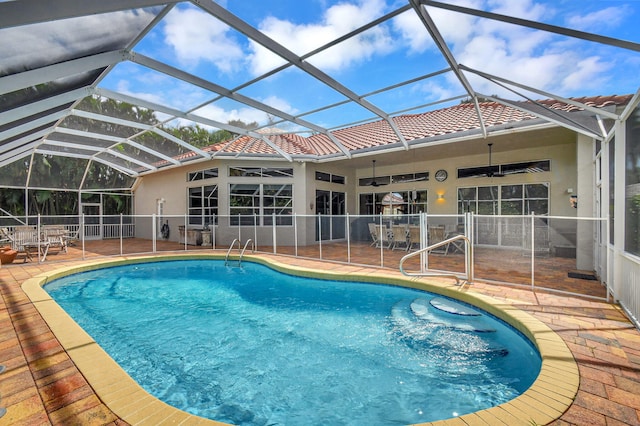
(279, 104)
(587, 73)
(605, 18)
(534, 58)
(124, 87)
(197, 37)
(525, 9)
(219, 114)
(455, 28)
(434, 91)
(337, 21)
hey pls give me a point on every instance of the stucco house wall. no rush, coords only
(555, 144)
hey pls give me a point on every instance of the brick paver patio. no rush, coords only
(41, 385)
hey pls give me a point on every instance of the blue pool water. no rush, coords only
(252, 346)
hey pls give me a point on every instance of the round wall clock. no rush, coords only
(441, 175)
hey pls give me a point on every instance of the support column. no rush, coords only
(585, 177)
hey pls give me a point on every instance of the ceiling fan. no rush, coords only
(374, 182)
(490, 172)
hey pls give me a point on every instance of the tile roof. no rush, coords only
(432, 124)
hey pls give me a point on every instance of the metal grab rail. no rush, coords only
(226, 258)
(468, 260)
(249, 241)
(245, 248)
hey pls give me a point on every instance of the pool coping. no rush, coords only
(546, 400)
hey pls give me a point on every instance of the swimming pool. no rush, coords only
(382, 344)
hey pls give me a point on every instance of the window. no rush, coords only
(202, 174)
(203, 205)
(328, 177)
(524, 199)
(506, 169)
(410, 177)
(521, 199)
(260, 172)
(632, 184)
(394, 203)
(249, 203)
(330, 206)
(386, 180)
(278, 201)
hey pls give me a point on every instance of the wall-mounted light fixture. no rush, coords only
(440, 196)
(311, 206)
(573, 201)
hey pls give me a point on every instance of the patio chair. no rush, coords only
(72, 236)
(25, 239)
(380, 239)
(56, 235)
(400, 237)
(373, 232)
(413, 237)
(436, 235)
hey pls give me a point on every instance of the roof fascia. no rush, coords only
(13, 82)
(26, 12)
(538, 26)
(431, 27)
(234, 22)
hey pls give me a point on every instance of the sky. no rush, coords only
(400, 49)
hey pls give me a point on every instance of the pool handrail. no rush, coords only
(468, 266)
(226, 258)
(253, 248)
(241, 249)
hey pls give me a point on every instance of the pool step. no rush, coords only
(466, 319)
(422, 326)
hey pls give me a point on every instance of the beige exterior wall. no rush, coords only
(557, 145)
(561, 150)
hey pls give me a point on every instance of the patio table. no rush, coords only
(34, 246)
